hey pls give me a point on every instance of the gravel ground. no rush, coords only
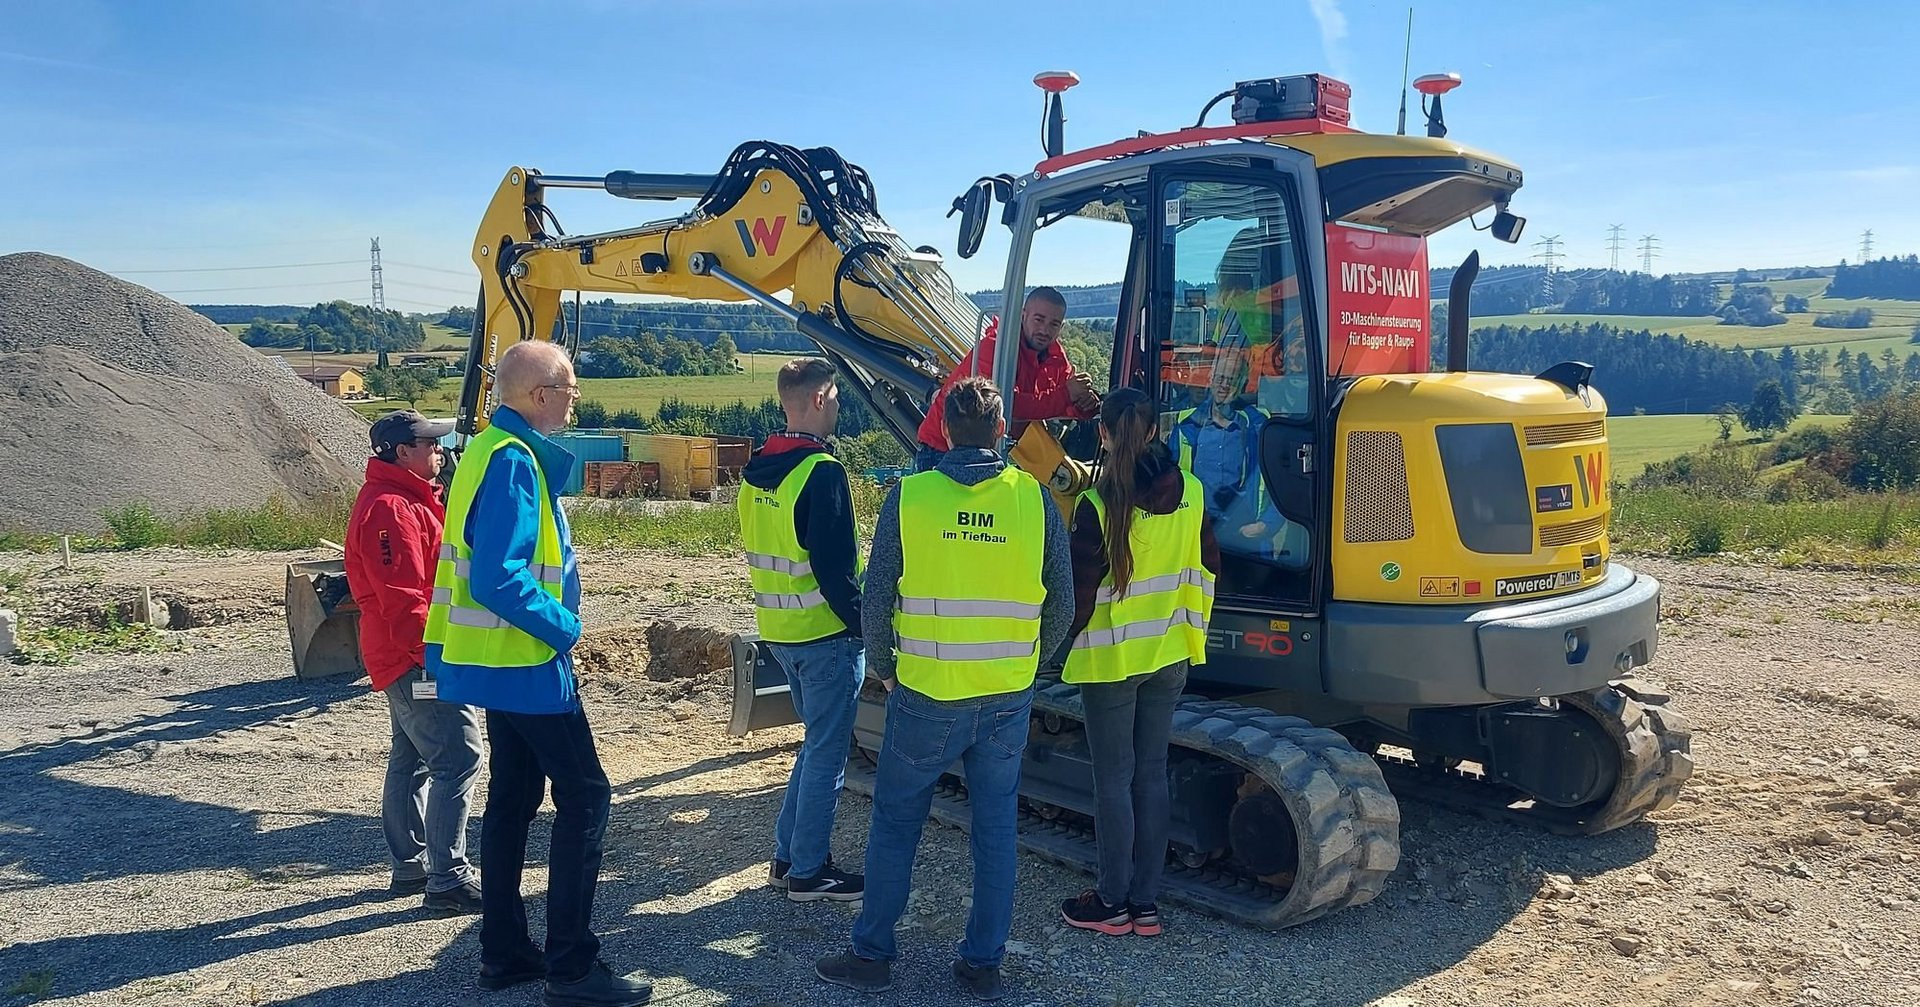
(156, 390)
(199, 827)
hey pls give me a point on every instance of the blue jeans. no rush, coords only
(426, 826)
(924, 737)
(1128, 725)
(527, 750)
(825, 678)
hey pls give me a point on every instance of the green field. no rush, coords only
(1893, 323)
(643, 395)
(1638, 441)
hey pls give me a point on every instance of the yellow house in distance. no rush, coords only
(337, 380)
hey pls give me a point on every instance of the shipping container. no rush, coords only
(587, 448)
(732, 456)
(688, 465)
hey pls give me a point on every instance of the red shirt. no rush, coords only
(393, 547)
(1040, 389)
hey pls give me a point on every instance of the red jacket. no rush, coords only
(1039, 387)
(393, 547)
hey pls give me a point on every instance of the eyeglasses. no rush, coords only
(573, 391)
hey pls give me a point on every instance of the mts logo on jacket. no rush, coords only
(762, 237)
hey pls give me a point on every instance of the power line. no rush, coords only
(435, 269)
(379, 302)
(1866, 245)
(1647, 253)
(228, 269)
(1549, 253)
(1613, 246)
(270, 286)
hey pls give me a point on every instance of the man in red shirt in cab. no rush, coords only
(393, 546)
(1045, 385)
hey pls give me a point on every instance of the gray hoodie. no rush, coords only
(966, 466)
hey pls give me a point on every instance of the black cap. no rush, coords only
(403, 426)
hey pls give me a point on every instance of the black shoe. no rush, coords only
(777, 874)
(865, 975)
(409, 886)
(461, 901)
(599, 988)
(1146, 918)
(831, 884)
(524, 970)
(1090, 912)
(979, 983)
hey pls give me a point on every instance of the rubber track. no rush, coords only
(1655, 746)
(1336, 796)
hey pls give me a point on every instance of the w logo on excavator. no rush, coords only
(762, 237)
(1590, 470)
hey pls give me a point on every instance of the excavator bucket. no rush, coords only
(761, 696)
(323, 621)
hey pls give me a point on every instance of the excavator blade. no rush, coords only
(323, 622)
(761, 696)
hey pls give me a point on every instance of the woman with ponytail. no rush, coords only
(1144, 561)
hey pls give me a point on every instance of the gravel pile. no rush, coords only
(114, 394)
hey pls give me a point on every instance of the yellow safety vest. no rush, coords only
(967, 622)
(465, 630)
(1162, 618)
(787, 604)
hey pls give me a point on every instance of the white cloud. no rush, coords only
(1333, 33)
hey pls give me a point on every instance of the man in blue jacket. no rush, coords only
(500, 636)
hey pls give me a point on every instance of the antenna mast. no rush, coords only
(1405, 64)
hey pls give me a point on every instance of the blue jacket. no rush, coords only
(503, 526)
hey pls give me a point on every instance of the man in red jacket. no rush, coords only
(393, 547)
(1045, 385)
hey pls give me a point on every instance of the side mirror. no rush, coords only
(1507, 227)
(973, 207)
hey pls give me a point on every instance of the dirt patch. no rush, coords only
(660, 651)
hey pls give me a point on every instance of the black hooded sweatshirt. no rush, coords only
(1158, 485)
(822, 519)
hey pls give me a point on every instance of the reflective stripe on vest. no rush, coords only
(967, 622)
(1162, 616)
(787, 604)
(467, 632)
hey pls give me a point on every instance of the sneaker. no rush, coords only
(461, 901)
(831, 884)
(777, 874)
(1146, 918)
(407, 886)
(1091, 912)
(598, 988)
(979, 983)
(494, 978)
(865, 975)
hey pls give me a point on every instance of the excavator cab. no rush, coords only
(1418, 598)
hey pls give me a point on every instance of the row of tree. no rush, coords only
(648, 355)
(339, 326)
(1637, 370)
(860, 443)
(1891, 278)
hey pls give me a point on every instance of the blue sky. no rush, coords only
(192, 135)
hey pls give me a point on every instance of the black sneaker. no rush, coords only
(599, 988)
(979, 983)
(1146, 918)
(1090, 912)
(461, 901)
(777, 874)
(831, 884)
(407, 886)
(865, 975)
(494, 978)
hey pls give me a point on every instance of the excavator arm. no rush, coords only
(774, 220)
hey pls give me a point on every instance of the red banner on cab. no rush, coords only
(1378, 304)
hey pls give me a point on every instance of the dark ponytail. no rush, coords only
(1128, 417)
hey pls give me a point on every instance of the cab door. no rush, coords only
(1241, 390)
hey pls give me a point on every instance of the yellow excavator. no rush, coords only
(1430, 613)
